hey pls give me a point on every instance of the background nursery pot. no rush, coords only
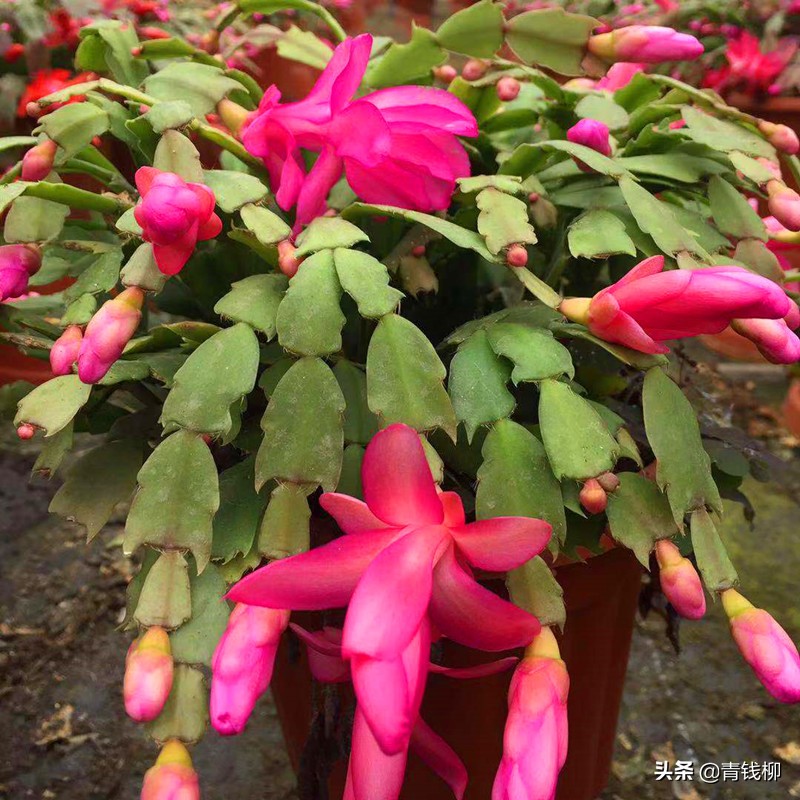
(601, 599)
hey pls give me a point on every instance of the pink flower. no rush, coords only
(766, 647)
(619, 75)
(775, 339)
(64, 352)
(242, 665)
(750, 69)
(680, 582)
(668, 6)
(17, 263)
(593, 134)
(404, 565)
(372, 774)
(174, 216)
(148, 675)
(107, 333)
(648, 306)
(784, 204)
(535, 739)
(396, 146)
(37, 163)
(649, 44)
(172, 777)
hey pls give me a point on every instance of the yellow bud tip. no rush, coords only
(667, 554)
(734, 603)
(174, 752)
(543, 646)
(133, 296)
(155, 638)
(576, 309)
(233, 115)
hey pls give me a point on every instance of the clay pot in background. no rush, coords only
(791, 408)
(601, 598)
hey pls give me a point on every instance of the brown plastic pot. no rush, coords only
(601, 598)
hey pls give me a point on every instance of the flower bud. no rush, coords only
(474, 69)
(508, 89)
(784, 204)
(233, 115)
(37, 163)
(593, 497)
(417, 276)
(172, 777)
(107, 333)
(766, 647)
(679, 581)
(516, 256)
(609, 481)
(773, 337)
(17, 263)
(26, 431)
(535, 738)
(446, 73)
(287, 262)
(781, 137)
(242, 664)
(148, 675)
(648, 44)
(64, 352)
(593, 134)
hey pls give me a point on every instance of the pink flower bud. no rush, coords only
(148, 675)
(233, 115)
(107, 333)
(784, 204)
(508, 89)
(64, 352)
(781, 137)
(17, 263)
(649, 44)
(242, 664)
(516, 256)
(37, 163)
(446, 73)
(26, 431)
(766, 647)
(174, 216)
(288, 264)
(773, 338)
(619, 75)
(593, 497)
(680, 582)
(474, 69)
(535, 739)
(172, 777)
(593, 134)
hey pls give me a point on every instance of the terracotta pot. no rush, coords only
(791, 408)
(601, 597)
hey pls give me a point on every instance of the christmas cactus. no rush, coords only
(364, 350)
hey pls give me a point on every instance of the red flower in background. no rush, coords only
(47, 81)
(749, 68)
(65, 30)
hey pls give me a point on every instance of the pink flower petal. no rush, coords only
(453, 509)
(312, 200)
(371, 774)
(465, 612)
(398, 485)
(392, 597)
(440, 757)
(342, 76)
(423, 107)
(502, 543)
(322, 578)
(351, 515)
(144, 178)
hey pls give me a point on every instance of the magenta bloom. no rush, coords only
(593, 134)
(619, 75)
(680, 582)
(17, 263)
(405, 565)
(396, 146)
(65, 349)
(148, 675)
(242, 665)
(172, 777)
(174, 216)
(774, 338)
(535, 739)
(37, 163)
(648, 306)
(766, 647)
(649, 44)
(107, 333)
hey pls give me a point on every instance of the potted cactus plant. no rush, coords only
(386, 382)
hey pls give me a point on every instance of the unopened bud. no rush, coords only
(37, 163)
(516, 256)
(26, 431)
(418, 251)
(508, 89)
(784, 204)
(474, 69)
(18, 262)
(287, 262)
(609, 481)
(233, 115)
(148, 675)
(64, 352)
(679, 581)
(593, 497)
(173, 776)
(417, 276)
(446, 73)
(781, 137)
